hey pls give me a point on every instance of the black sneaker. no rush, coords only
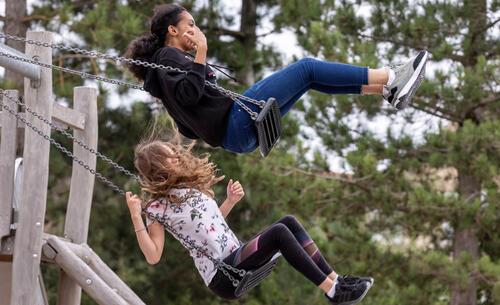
(349, 294)
(350, 280)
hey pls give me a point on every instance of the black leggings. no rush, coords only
(287, 236)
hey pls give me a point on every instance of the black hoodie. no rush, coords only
(198, 110)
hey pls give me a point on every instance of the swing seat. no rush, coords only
(253, 277)
(268, 124)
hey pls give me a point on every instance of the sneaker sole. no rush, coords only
(405, 95)
(362, 296)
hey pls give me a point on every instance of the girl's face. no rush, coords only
(186, 25)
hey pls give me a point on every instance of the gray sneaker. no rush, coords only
(408, 78)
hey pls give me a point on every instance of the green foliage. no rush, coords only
(394, 222)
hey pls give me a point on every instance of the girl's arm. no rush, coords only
(151, 240)
(234, 194)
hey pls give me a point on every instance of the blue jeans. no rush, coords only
(287, 86)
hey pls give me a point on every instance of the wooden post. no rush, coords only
(7, 158)
(28, 245)
(82, 185)
(81, 273)
(96, 263)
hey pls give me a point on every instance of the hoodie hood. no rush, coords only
(152, 82)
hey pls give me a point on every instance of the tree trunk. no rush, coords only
(15, 11)
(248, 27)
(466, 242)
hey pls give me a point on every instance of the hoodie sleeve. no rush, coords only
(187, 88)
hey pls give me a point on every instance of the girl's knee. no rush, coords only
(279, 229)
(307, 60)
(288, 219)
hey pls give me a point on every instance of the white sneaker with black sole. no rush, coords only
(408, 78)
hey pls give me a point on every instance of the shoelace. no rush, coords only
(349, 279)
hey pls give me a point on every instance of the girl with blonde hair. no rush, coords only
(178, 186)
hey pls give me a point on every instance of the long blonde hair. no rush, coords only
(158, 177)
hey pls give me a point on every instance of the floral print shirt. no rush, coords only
(200, 221)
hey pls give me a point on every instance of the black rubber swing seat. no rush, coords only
(268, 124)
(255, 276)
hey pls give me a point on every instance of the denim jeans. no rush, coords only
(287, 86)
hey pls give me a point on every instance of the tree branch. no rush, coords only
(435, 113)
(226, 32)
(329, 176)
(27, 19)
(491, 100)
(452, 56)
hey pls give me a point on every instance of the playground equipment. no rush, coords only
(23, 193)
(71, 253)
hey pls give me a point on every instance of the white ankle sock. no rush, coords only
(385, 91)
(392, 76)
(331, 293)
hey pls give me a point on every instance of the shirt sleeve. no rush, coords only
(187, 87)
(149, 221)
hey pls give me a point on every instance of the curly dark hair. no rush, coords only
(143, 47)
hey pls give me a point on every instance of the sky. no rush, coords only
(288, 46)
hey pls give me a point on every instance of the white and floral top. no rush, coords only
(199, 219)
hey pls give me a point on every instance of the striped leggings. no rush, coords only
(287, 236)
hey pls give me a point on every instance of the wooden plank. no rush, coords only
(63, 117)
(103, 270)
(76, 225)
(6, 285)
(19, 123)
(7, 158)
(96, 288)
(70, 117)
(5, 282)
(28, 245)
(86, 254)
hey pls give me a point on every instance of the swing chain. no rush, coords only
(60, 147)
(219, 264)
(233, 95)
(70, 136)
(81, 74)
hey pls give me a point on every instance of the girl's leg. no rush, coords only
(290, 83)
(278, 237)
(308, 244)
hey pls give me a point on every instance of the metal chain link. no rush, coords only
(70, 136)
(219, 264)
(236, 97)
(63, 150)
(83, 75)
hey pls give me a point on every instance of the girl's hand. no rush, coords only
(196, 39)
(134, 204)
(234, 191)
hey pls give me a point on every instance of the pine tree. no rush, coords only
(459, 262)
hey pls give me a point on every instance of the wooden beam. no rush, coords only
(70, 117)
(103, 270)
(78, 270)
(64, 116)
(76, 225)
(7, 157)
(28, 245)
